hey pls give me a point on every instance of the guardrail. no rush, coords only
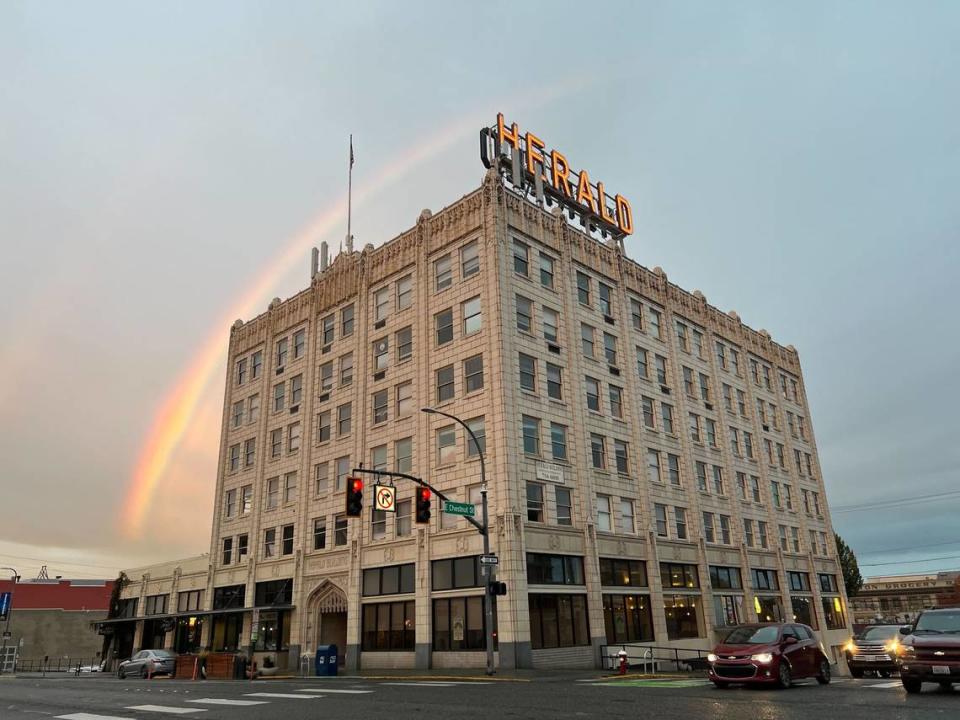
(58, 664)
(654, 658)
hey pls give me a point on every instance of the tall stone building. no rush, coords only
(651, 461)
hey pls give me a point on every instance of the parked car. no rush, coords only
(146, 663)
(930, 650)
(873, 648)
(768, 653)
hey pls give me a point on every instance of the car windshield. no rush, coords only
(938, 622)
(881, 632)
(753, 635)
(162, 653)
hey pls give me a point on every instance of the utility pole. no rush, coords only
(6, 630)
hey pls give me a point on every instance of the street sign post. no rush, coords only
(459, 508)
(489, 560)
(385, 498)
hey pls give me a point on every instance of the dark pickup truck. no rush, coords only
(930, 650)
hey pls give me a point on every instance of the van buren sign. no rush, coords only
(523, 159)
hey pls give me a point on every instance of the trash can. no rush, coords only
(239, 667)
(326, 660)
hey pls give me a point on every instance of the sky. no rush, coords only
(165, 168)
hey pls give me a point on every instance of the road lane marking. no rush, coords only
(885, 686)
(90, 716)
(172, 709)
(332, 690)
(282, 695)
(226, 701)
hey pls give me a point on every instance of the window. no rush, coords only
(281, 354)
(246, 499)
(803, 610)
(694, 427)
(380, 403)
(446, 444)
(403, 454)
(319, 533)
(327, 330)
(682, 338)
(742, 403)
(473, 373)
(725, 529)
(799, 581)
(586, 340)
(833, 613)
(725, 578)
(718, 480)
(647, 406)
(688, 381)
(554, 381)
(534, 502)
(241, 373)
(225, 560)
(642, 367)
(445, 384)
(321, 473)
(290, 487)
(593, 393)
(378, 525)
(621, 452)
(735, 441)
(340, 530)
(708, 533)
(775, 493)
(660, 363)
(404, 341)
(742, 485)
(765, 579)
(388, 626)
(459, 624)
(564, 506)
(472, 316)
(748, 444)
(666, 415)
(701, 469)
(253, 408)
(598, 451)
(606, 302)
(521, 258)
(704, 388)
(273, 492)
(276, 443)
(404, 401)
(326, 377)
(604, 514)
(230, 503)
(656, 328)
(762, 533)
(237, 413)
(524, 314)
(531, 435)
(404, 292)
(443, 325)
(344, 416)
(456, 573)
(287, 540)
(469, 260)
(381, 354)
(551, 324)
(323, 426)
(157, 604)
(748, 532)
(610, 349)
(583, 288)
(546, 270)
(477, 426)
(558, 441)
(256, 364)
(554, 569)
(249, 452)
(626, 513)
(293, 437)
(381, 304)
(711, 427)
(402, 523)
(279, 397)
(698, 343)
(299, 344)
(346, 321)
(296, 389)
(189, 600)
(660, 519)
(768, 609)
(528, 373)
(828, 583)
(653, 465)
(680, 522)
(269, 543)
(558, 621)
(679, 576)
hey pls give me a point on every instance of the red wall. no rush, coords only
(62, 595)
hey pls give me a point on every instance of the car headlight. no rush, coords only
(711, 657)
(762, 658)
(904, 649)
(893, 646)
(850, 647)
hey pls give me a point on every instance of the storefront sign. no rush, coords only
(550, 472)
(523, 159)
(6, 601)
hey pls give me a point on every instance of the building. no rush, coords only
(652, 468)
(54, 618)
(900, 598)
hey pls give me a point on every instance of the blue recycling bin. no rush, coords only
(326, 661)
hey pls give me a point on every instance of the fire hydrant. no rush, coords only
(623, 661)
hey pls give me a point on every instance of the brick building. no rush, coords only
(900, 598)
(652, 467)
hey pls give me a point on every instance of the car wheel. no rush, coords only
(823, 677)
(122, 674)
(784, 678)
(911, 685)
(721, 684)
(946, 685)
(884, 673)
(856, 672)
(144, 673)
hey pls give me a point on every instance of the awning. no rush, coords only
(192, 613)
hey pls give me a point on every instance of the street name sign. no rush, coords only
(458, 508)
(489, 560)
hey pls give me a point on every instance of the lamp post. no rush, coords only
(6, 629)
(487, 569)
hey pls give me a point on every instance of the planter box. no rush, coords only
(220, 666)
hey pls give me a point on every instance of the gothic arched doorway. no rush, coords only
(327, 606)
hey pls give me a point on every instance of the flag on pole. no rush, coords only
(351, 151)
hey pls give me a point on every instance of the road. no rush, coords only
(542, 697)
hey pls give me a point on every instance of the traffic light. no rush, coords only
(423, 505)
(354, 496)
(498, 588)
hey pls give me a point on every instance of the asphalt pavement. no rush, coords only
(543, 696)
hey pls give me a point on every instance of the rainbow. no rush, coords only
(177, 409)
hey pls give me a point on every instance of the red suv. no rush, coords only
(775, 653)
(930, 650)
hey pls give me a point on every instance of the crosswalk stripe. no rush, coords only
(225, 701)
(282, 695)
(89, 716)
(435, 683)
(173, 710)
(885, 686)
(332, 690)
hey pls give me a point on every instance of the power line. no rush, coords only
(894, 502)
(58, 562)
(910, 562)
(912, 547)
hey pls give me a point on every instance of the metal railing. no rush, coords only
(76, 666)
(654, 658)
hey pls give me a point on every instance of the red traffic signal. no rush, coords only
(423, 505)
(354, 496)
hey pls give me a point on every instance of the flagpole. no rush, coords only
(350, 197)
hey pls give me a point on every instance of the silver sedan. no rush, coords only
(146, 663)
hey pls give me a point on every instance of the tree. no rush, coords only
(852, 579)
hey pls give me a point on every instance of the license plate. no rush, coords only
(941, 669)
(873, 658)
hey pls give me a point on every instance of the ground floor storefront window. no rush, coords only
(803, 610)
(389, 626)
(273, 631)
(189, 632)
(682, 613)
(225, 636)
(627, 618)
(769, 608)
(833, 613)
(154, 634)
(558, 621)
(727, 610)
(459, 624)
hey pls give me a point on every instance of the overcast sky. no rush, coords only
(797, 162)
